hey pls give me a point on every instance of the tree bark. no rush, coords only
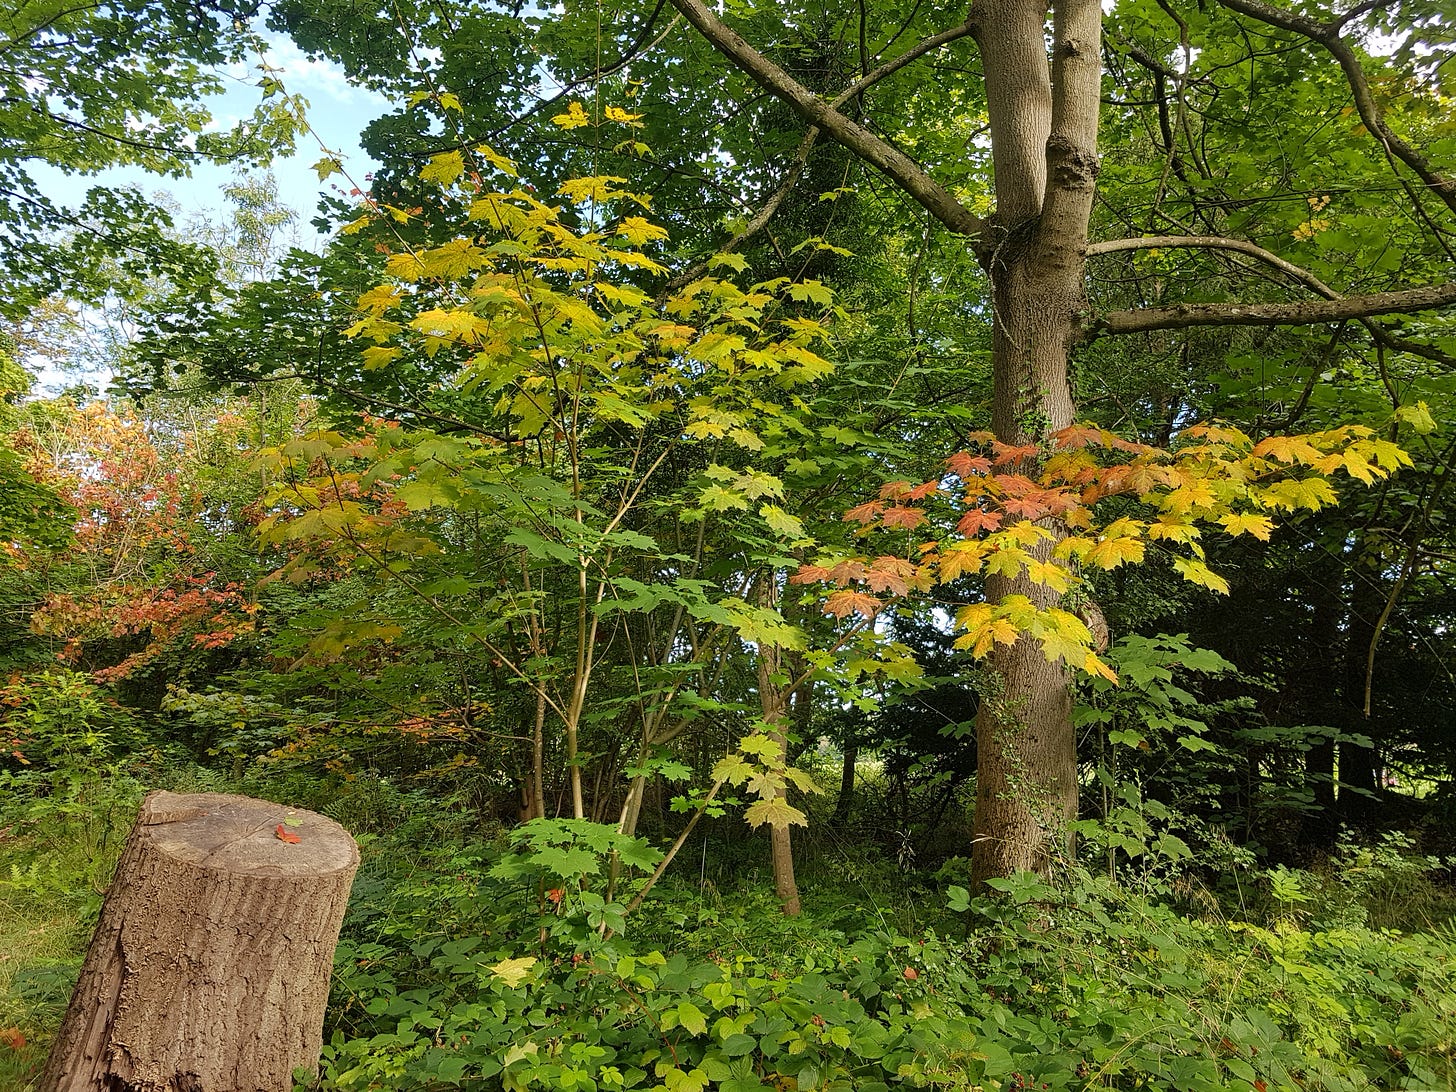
(775, 715)
(209, 969)
(846, 778)
(773, 700)
(1044, 147)
(1303, 313)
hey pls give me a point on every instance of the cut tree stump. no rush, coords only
(209, 969)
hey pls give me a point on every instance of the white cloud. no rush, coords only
(310, 78)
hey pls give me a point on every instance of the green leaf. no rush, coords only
(781, 523)
(692, 1018)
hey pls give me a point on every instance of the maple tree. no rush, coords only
(578, 405)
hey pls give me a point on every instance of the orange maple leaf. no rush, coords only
(865, 513)
(844, 603)
(283, 834)
(977, 520)
(965, 465)
(901, 516)
(809, 574)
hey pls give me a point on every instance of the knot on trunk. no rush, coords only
(1072, 168)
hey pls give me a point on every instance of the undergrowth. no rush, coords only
(466, 962)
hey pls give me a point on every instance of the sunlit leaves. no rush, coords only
(513, 972)
(1034, 516)
(443, 169)
(1247, 523)
(1196, 572)
(574, 117)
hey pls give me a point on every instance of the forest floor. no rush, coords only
(1333, 978)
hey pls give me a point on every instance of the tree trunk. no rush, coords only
(1044, 150)
(209, 969)
(1357, 763)
(846, 778)
(775, 707)
(1322, 671)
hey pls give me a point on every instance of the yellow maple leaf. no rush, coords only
(1197, 572)
(513, 971)
(574, 118)
(443, 168)
(1287, 449)
(1112, 552)
(1247, 523)
(1049, 573)
(637, 230)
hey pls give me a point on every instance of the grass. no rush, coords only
(54, 864)
(41, 942)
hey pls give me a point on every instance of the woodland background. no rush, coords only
(604, 522)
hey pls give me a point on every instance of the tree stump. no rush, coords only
(209, 969)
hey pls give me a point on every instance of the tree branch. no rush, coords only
(1306, 313)
(1215, 242)
(1328, 35)
(894, 64)
(760, 219)
(937, 200)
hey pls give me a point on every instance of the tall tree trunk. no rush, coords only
(538, 760)
(1322, 671)
(209, 968)
(1044, 150)
(775, 716)
(1358, 763)
(774, 705)
(846, 778)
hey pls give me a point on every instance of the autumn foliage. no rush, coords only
(1087, 500)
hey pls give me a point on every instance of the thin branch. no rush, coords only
(1328, 36)
(1215, 242)
(677, 845)
(894, 64)
(1306, 313)
(904, 171)
(1378, 333)
(760, 219)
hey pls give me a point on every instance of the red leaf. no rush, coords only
(864, 513)
(1008, 453)
(12, 1038)
(900, 516)
(978, 520)
(809, 574)
(889, 574)
(964, 465)
(1078, 436)
(844, 603)
(283, 834)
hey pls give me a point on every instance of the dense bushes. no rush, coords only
(484, 959)
(449, 977)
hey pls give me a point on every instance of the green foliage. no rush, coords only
(83, 88)
(446, 978)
